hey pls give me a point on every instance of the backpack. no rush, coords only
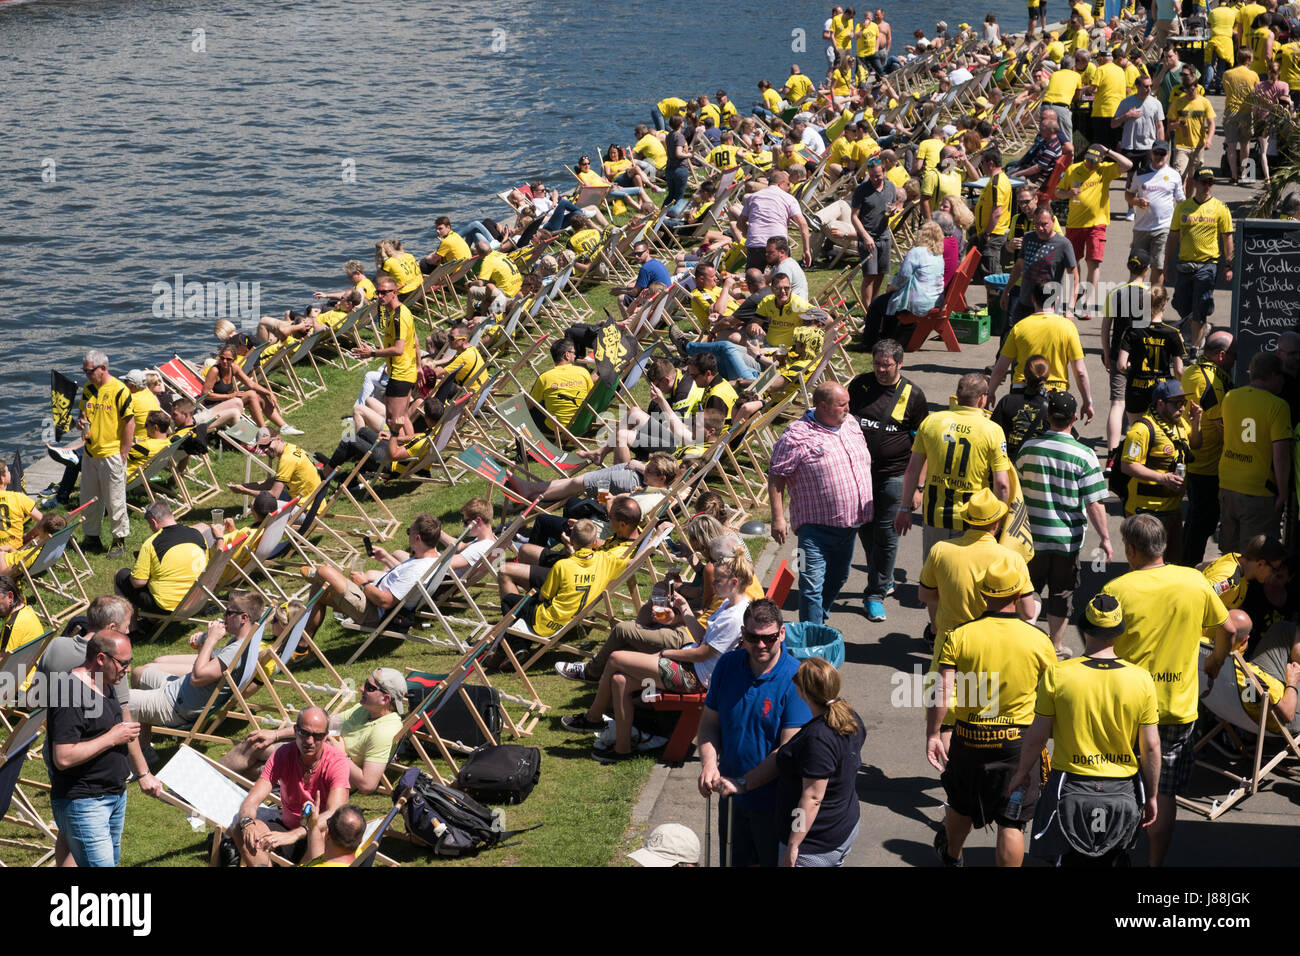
(1029, 421)
(501, 773)
(446, 820)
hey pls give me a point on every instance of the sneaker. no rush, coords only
(875, 610)
(54, 501)
(63, 456)
(117, 548)
(652, 742)
(290, 430)
(579, 722)
(889, 591)
(1123, 216)
(680, 340)
(941, 848)
(573, 670)
(613, 756)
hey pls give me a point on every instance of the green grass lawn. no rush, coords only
(585, 808)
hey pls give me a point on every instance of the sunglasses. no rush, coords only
(369, 686)
(386, 291)
(310, 735)
(752, 638)
(124, 664)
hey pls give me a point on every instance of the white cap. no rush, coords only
(134, 377)
(667, 845)
(948, 130)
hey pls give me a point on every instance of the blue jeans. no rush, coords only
(827, 557)
(475, 231)
(564, 208)
(657, 118)
(733, 361)
(93, 827)
(1194, 291)
(879, 540)
(678, 177)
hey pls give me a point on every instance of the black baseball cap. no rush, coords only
(1139, 259)
(1061, 404)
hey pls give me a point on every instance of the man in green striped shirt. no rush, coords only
(1061, 482)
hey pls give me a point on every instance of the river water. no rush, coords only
(234, 141)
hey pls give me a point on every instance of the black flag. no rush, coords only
(16, 472)
(63, 400)
(614, 352)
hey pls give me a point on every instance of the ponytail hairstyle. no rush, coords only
(1037, 371)
(819, 682)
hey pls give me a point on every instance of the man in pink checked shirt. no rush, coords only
(823, 460)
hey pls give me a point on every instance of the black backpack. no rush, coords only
(501, 773)
(446, 820)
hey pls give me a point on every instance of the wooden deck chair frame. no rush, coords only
(339, 692)
(444, 431)
(196, 481)
(21, 810)
(183, 378)
(754, 440)
(515, 416)
(349, 326)
(374, 519)
(270, 540)
(42, 579)
(160, 464)
(238, 681)
(1269, 730)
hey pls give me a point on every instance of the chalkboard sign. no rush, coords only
(1265, 286)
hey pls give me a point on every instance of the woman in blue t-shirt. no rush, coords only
(816, 771)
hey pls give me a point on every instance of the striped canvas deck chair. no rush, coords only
(158, 467)
(54, 579)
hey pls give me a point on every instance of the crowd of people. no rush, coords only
(900, 165)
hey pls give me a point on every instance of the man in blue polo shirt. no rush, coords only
(751, 709)
(651, 273)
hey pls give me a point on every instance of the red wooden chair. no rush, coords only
(936, 320)
(782, 581)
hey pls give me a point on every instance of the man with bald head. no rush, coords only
(307, 770)
(822, 460)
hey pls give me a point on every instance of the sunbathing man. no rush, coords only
(365, 596)
(626, 477)
(535, 561)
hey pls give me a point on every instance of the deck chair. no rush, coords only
(342, 502)
(1227, 698)
(936, 320)
(195, 479)
(441, 435)
(43, 583)
(280, 675)
(417, 727)
(307, 388)
(159, 466)
(16, 807)
(231, 690)
(202, 593)
(421, 606)
(514, 414)
(268, 542)
(202, 788)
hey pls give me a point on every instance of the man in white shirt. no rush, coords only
(1154, 194)
(366, 596)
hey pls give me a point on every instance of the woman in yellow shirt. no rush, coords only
(391, 258)
(630, 194)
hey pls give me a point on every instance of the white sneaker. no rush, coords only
(573, 670)
(650, 743)
(290, 430)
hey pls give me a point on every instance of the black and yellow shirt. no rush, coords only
(21, 627)
(955, 568)
(405, 271)
(572, 584)
(1161, 447)
(1097, 706)
(999, 661)
(171, 561)
(468, 369)
(963, 450)
(143, 449)
(1228, 578)
(585, 242)
(725, 156)
(142, 403)
(107, 408)
(15, 509)
(399, 325)
(297, 470)
(720, 395)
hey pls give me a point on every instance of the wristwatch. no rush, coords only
(245, 822)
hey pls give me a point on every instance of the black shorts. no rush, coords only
(529, 615)
(140, 598)
(1059, 573)
(1137, 398)
(398, 389)
(977, 775)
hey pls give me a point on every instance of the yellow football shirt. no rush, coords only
(781, 322)
(561, 391)
(405, 271)
(1006, 657)
(106, 409)
(21, 627)
(1199, 226)
(963, 450)
(171, 560)
(996, 195)
(1111, 84)
(1063, 86)
(143, 449)
(572, 584)
(15, 509)
(1228, 578)
(651, 147)
(955, 568)
(468, 369)
(1253, 419)
(1205, 385)
(1165, 610)
(297, 470)
(501, 272)
(1097, 706)
(1160, 446)
(585, 242)
(142, 403)
(1195, 111)
(1052, 336)
(399, 325)
(1092, 207)
(454, 248)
